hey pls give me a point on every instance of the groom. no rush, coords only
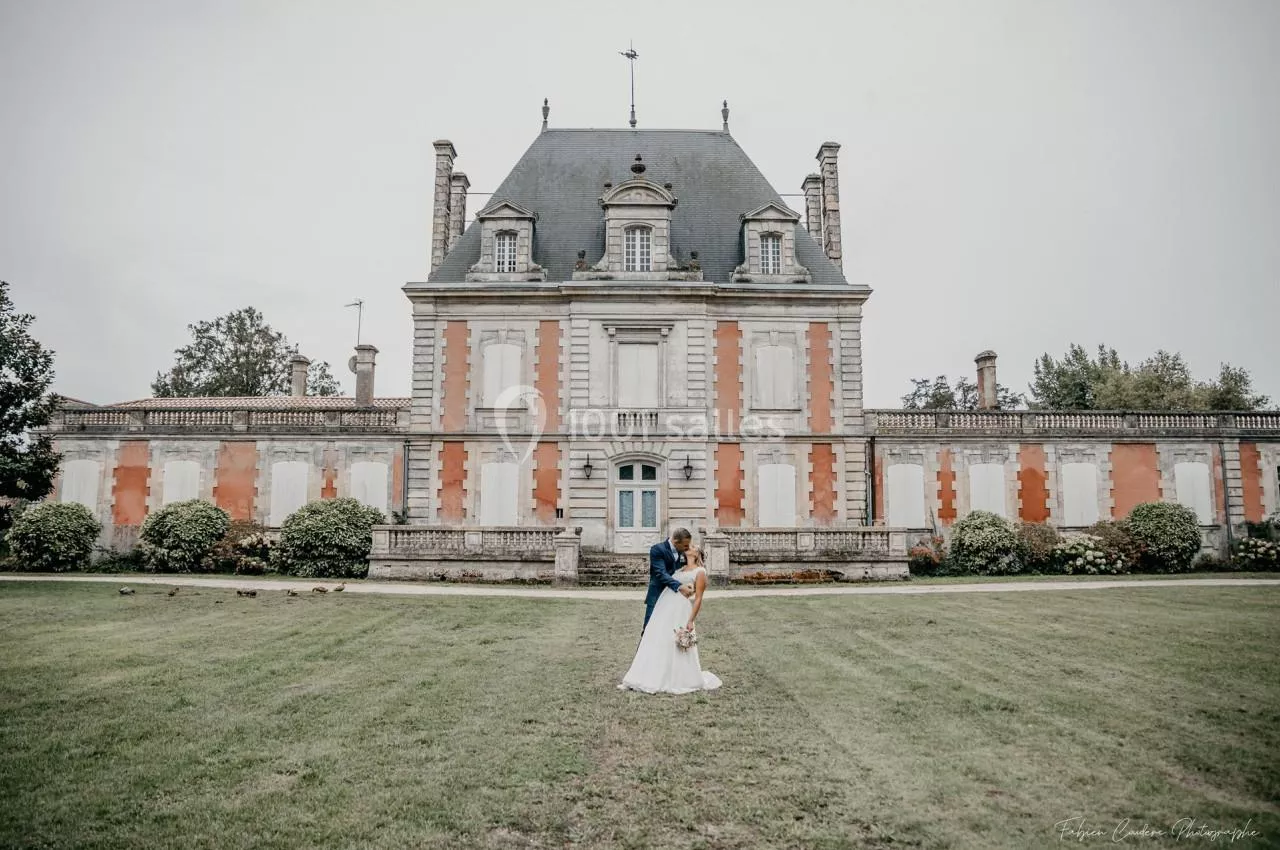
(664, 559)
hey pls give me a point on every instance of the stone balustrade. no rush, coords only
(246, 417)
(1040, 423)
(477, 553)
(840, 553)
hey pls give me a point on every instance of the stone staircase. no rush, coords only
(606, 569)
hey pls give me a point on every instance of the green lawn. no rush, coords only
(359, 721)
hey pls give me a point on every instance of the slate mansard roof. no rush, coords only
(562, 175)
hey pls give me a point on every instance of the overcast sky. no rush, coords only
(1014, 175)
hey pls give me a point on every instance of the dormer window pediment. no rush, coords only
(506, 244)
(639, 192)
(769, 247)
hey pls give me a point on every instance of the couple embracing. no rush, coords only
(667, 659)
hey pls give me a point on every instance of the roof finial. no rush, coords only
(631, 55)
(546, 110)
(724, 114)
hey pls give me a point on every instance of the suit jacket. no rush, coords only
(663, 561)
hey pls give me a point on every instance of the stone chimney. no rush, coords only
(458, 186)
(445, 155)
(812, 187)
(987, 398)
(364, 375)
(298, 365)
(830, 200)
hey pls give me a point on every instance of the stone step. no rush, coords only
(612, 570)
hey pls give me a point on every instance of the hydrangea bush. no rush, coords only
(985, 544)
(927, 558)
(178, 537)
(1085, 554)
(53, 537)
(243, 550)
(329, 539)
(1257, 555)
(1038, 543)
(1167, 536)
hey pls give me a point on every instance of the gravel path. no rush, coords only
(637, 594)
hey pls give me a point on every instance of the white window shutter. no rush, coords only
(369, 484)
(1079, 494)
(288, 489)
(1193, 489)
(905, 495)
(499, 493)
(776, 496)
(986, 488)
(81, 481)
(181, 481)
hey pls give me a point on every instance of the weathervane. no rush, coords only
(359, 305)
(632, 56)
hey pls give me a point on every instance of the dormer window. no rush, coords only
(504, 253)
(637, 249)
(771, 253)
(637, 233)
(506, 245)
(769, 247)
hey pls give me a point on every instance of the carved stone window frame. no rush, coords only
(648, 333)
(491, 336)
(506, 217)
(784, 338)
(770, 219)
(635, 203)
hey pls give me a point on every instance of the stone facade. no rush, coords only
(581, 406)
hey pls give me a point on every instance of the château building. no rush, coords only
(637, 332)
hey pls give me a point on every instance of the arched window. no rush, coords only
(637, 249)
(504, 252)
(770, 253)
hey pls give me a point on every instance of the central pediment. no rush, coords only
(638, 192)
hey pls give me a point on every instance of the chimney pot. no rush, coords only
(364, 375)
(445, 155)
(458, 186)
(830, 200)
(298, 375)
(987, 397)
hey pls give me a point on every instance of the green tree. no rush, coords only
(28, 462)
(1161, 382)
(237, 355)
(939, 394)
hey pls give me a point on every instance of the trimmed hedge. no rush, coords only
(53, 537)
(327, 539)
(984, 544)
(1167, 536)
(177, 537)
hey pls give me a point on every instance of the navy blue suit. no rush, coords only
(663, 561)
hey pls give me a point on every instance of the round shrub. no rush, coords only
(1256, 555)
(927, 557)
(1116, 542)
(984, 544)
(1036, 546)
(53, 537)
(177, 537)
(327, 539)
(1084, 554)
(1167, 535)
(243, 550)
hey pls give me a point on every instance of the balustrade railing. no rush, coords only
(1038, 422)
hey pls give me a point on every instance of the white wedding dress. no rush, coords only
(660, 666)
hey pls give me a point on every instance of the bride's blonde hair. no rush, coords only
(697, 553)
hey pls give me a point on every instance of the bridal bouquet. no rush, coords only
(686, 638)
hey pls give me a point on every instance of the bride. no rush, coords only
(660, 666)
